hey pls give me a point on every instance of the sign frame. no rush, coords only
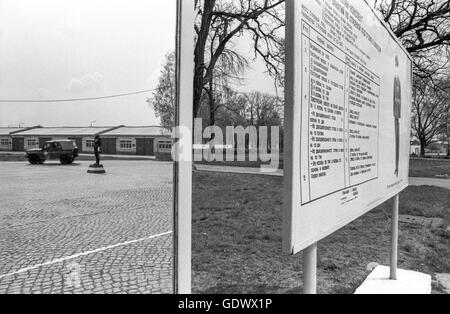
(293, 129)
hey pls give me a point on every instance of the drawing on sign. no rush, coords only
(397, 114)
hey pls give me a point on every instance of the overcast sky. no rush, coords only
(82, 48)
(53, 49)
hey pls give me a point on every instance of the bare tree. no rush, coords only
(228, 70)
(252, 109)
(220, 21)
(423, 26)
(430, 112)
(264, 109)
(446, 130)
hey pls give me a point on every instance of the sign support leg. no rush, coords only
(394, 251)
(310, 270)
(183, 164)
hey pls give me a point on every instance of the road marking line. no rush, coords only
(68, 258)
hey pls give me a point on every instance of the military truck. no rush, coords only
(63, 150)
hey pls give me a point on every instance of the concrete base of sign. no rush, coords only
(408, 282)
(444, 281)
(94, 169)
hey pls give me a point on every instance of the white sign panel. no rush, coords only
(348, 98)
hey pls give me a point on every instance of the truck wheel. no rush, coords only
(34, 160)
(65, 160)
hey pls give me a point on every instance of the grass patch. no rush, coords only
(423, 168)
(237, 239)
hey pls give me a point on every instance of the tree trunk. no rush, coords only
(199, 54)
(212, 117)
(448, 136)
(212, 104)
(423, 147)
(448, 149)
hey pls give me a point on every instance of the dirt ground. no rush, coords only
(237, 239)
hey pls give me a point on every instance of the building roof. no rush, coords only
(8, 131)
(65, 131)
(138, 131)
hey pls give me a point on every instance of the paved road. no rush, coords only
(442, 183)
(64, 231)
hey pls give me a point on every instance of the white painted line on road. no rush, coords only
(68, 258)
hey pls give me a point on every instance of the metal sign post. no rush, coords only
(310, 270)
(394, 251)
(183, 164)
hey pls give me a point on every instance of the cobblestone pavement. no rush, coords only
(64, 231)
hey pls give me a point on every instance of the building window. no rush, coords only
(32, 143)
(90, 144)
(5, 142)
(126, 145)
(165, 145)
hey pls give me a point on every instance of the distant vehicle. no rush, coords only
(64, 150)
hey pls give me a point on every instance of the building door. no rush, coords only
(109, 146)
(42, 140)
(18, 144)
(145, 147)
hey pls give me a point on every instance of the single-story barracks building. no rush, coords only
(141, 141)
(119, 140)
(6, 137)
